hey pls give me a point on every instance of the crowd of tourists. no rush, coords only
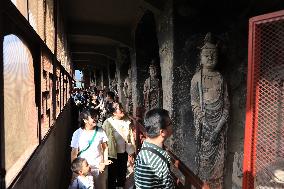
(103, 145)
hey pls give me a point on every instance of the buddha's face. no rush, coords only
(209, 58)
(152, 71)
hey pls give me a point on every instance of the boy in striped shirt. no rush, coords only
(152, 165)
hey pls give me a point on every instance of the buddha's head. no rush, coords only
(209, 53)
(152, 70)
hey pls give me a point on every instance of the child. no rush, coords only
(90, 142)
(82, 169)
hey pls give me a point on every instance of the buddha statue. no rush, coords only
(152, 92)
(210, 106)
(127, 90)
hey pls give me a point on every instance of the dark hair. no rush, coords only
(77, 164)
(94, 113)
(117, 105)
(85, 114)
(110, 94)
(154, 121)
(109, 108)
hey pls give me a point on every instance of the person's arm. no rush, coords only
(74, 153)
(75, 144)
(105, 160)
(105, 154)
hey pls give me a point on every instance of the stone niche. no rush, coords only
(113, 79)
(181, 28)
(231, 64)
(124, 67)
(147, 49)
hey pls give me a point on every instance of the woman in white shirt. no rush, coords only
(90, 142)
(120, 145)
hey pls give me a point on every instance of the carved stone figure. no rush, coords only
(127, 90)
(152, 90)
(114, 85)
(210, 105)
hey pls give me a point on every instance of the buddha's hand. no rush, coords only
(213, 137)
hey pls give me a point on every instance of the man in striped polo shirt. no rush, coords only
(152, 165)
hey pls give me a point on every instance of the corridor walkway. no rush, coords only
(148, 52)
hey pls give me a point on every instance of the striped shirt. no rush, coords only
(151, 171)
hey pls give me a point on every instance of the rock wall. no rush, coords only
(122, 66)
(166, 37)
(146, 49)
(134, 81)
(181, 31)
(181, 27)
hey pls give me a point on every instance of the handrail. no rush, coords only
(190, 179)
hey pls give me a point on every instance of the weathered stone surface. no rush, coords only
(122, 65)
(179, 35)
(237, 175)
(181, 27)
(165, 38)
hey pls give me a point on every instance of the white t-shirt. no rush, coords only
(121, 132)
(93, 154)
(82, 183)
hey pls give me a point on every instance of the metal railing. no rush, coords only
(187, 179)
